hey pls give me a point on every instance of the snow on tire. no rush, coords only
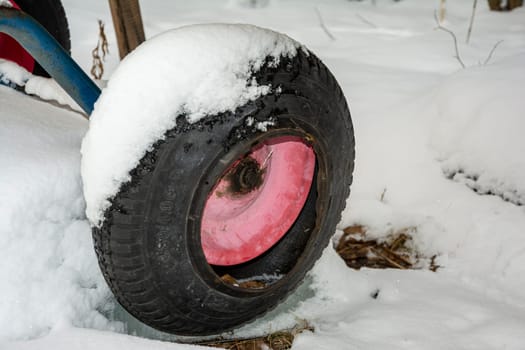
(222, 216)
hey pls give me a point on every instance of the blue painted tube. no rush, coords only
(51, 56)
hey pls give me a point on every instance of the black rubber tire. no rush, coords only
(149, 245)
(51, 15)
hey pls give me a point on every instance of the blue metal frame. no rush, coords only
(50, 55)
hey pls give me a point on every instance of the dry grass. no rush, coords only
(99, 53)
(251, 284)
(396, 251)
(281, 340)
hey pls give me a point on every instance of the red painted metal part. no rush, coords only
(236, 228)
(12, 51)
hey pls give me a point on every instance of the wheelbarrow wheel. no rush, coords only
(51, 15)
(224, 217)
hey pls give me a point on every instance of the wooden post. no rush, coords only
(495, 5)
(127, 21)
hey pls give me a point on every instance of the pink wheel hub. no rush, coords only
(12, 51)
(257, 200)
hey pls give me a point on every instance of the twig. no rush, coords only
(382, 254)
(97, 69)
(382, 199)
(323, 26)
(492, 51)
(362, 18)
(471, 20)
(398, 242)
(439, 26)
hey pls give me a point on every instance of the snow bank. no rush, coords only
(49, 275)
(44, 88)
(393, 309)
(87, 339)
(195, 71)
(479, 129)
(49, 90)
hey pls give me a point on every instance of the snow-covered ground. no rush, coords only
(442, 143)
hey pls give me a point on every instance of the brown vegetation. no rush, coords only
(396, 251)
(281, 340)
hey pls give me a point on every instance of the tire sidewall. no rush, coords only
(183, 177)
